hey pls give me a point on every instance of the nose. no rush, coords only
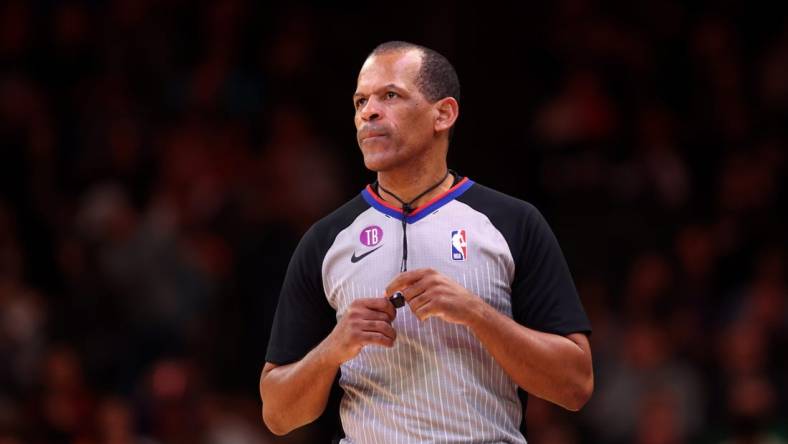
(370, 111)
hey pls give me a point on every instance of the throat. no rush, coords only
(408, 208)
(407, 203)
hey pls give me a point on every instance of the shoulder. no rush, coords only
(520, 222)
(308, 256)
(324, 231)
(499, 207)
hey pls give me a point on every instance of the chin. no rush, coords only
(378, 160)
(375, 163)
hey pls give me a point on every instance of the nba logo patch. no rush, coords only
(459, 245)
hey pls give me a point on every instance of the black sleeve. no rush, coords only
(303, 317)
(543, 292)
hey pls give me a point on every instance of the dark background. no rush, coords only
(159, 161)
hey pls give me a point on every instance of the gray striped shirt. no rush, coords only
(437, 384)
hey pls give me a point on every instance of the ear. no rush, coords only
(446, 112)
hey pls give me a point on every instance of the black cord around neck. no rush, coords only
(406, 210)
(406, 206)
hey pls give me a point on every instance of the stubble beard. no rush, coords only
(392, 157)
(381, 159)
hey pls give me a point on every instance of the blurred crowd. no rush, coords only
(159, 161)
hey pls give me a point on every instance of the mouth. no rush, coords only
(372, 138)
(370, 135)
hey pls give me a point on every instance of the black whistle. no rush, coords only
(397, 299)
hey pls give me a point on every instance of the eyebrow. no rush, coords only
(389, 86)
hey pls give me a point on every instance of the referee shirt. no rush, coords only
(437, 383)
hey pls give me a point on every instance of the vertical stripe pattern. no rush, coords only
(437, 384)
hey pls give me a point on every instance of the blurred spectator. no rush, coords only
(648, 375)
(65, 403)
(160, 160)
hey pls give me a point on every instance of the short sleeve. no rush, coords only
(303, 316)
(544, 296)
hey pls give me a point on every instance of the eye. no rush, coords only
(360, 102)
(391, 95)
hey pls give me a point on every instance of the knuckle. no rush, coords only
(357, 312)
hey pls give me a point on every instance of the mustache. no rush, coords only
(371, 130)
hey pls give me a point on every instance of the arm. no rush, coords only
(552, 367)
(296, 394)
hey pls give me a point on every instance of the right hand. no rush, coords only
(367, 321)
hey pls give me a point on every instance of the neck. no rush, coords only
(408, 183)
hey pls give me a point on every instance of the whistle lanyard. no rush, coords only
(406, 210)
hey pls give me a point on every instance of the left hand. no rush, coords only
(430, 293)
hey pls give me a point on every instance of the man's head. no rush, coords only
(407, 101)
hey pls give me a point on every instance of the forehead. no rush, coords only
(395, 67)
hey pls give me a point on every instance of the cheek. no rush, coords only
(422, 119)
(416, 123)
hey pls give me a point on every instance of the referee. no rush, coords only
(490, 311)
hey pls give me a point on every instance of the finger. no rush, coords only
(382, 327)
(371, 337)
(407, 278)
(374, 315)
(425, 311)
(417, 302)
(381, 305)
(416, 289)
